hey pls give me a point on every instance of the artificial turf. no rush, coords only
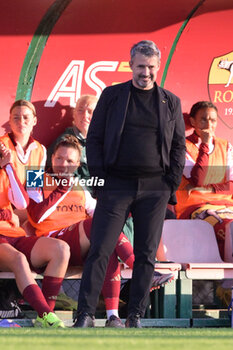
(123, 339)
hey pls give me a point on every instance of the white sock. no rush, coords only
(112, 312)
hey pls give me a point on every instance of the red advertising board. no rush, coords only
(54, 51)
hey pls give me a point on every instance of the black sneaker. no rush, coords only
(160, 279)
(114, 322)
(133, 321)
(84, 320)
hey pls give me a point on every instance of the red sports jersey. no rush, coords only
(56, 207)
(205, 170)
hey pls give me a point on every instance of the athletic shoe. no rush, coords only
(49, 320)
(8, 323)
(66, 303)
(114, 322)
(133, 321)
(160, 279)
(84, 320)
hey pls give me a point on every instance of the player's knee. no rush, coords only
(19, 261)
(61, 250)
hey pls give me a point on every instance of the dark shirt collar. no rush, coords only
(134, 88)
(79, 135)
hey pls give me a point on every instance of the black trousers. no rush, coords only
(146, 199)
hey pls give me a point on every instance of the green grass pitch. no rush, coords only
(123, 339)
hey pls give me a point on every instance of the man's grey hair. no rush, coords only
(146, 48)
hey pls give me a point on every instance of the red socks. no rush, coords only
(43, 301)
(50, 289)
(124, 250)
(34, 296)
(112, 283)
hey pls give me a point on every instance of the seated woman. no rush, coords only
(26, 152)
(206, 188)
(63, 209)
(20, 254)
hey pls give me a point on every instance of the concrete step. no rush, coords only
(159, 322)
(201, 318)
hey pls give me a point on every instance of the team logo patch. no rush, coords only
(220, 87)
(35, 178)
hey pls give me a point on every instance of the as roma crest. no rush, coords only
(220, 87)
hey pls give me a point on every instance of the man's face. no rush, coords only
(83, 114)
(144, 70)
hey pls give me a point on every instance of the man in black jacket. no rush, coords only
(136, 142)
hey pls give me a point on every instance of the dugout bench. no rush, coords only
(192, 244)
(161, 311)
